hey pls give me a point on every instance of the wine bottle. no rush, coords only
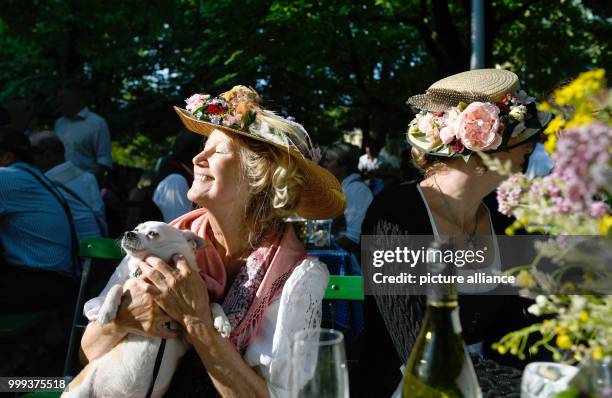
(439, 365)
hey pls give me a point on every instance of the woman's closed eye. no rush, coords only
(221, 149)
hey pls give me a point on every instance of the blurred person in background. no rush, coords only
(368, 165)
(369, 161)
(85, 134)
(21, 115)
(37, 265)
(79, 187)
(391, 152)
(341, 160)
(161, 192)
(176, 176)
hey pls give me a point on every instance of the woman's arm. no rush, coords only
(138, 314)
(183, 295)
(98, 340)
(224, 364)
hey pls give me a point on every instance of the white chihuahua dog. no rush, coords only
(127, 370)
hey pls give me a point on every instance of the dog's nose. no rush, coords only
(130, 235)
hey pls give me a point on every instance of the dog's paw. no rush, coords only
(223, 326)
(220, 321)
(108, 310)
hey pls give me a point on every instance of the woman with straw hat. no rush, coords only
(255, 169)
(474, 111)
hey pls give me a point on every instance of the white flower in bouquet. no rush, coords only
(518, 112)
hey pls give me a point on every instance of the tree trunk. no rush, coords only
(457, 55)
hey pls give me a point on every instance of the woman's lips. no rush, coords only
(203, 177)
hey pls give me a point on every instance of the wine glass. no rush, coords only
(319, 365)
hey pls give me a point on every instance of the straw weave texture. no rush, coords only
(486, 85)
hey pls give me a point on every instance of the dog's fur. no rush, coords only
(126, 370)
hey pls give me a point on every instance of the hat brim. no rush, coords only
(321, 196)
(543, 120)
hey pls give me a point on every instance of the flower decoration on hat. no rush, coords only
(478, 126)
(480, 121)
(239, 110)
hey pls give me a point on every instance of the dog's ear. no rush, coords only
(195, 241)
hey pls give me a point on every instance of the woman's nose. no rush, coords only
(200, 157)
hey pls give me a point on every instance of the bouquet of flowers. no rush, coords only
(573, 200)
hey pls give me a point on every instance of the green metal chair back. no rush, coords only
(103, 248)
(342, 287)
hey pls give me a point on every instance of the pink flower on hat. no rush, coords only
(449, 119)
(478, 125)
(427, 126)
(195, 102)
(231, 119)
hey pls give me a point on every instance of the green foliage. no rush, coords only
(334, 65)
(141, 152)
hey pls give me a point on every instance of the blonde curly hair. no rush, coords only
(274, 181)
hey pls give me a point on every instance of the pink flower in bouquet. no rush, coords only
(509, 193)
(428, 127)
(598, 209)
(478, 127)
(230, 119)
(579, 150)
(195, 102)
(447, 135)
(449, 119)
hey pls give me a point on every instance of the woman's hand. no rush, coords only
(180, 292)
(140, 314)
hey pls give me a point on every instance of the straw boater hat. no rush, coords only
(239, 111)
(478, 110)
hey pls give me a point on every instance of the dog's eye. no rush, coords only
(152, 235)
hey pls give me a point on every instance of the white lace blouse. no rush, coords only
(298, 308)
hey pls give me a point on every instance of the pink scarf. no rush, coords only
(259, 283)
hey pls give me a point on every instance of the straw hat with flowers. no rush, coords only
(480, 110)
(239, 111)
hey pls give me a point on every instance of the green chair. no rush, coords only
(90, 248)
(342, 287)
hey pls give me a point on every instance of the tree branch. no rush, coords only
(498, 23)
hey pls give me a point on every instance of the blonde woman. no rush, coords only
(475, 111)
(255, 169)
